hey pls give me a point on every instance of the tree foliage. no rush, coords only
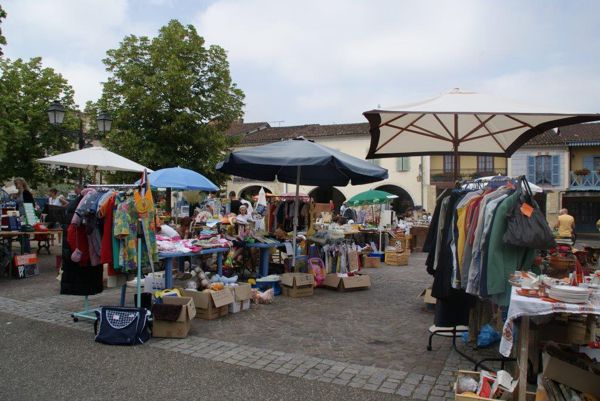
(26, 91)
(171, 98)
(2, 38)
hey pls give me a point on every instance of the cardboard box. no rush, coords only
(475, 375)
(571, 375)
(241, 292)
(297, 292)
(372, 261)
(25, 266)
(356, 282)
(239, 306)
(179, 328)
(211, 305)
(297, 285)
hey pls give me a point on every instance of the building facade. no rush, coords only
(406, 175)
(566, 164)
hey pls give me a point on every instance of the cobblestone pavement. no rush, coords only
(373, 340)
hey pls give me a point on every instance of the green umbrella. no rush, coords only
(371, 197)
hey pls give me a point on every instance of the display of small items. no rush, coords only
(194, 277)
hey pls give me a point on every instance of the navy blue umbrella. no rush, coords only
(318, 164)
(303, 162)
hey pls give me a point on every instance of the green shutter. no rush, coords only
(402, 163)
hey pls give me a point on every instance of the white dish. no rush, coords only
(578, 299)
(569, 289)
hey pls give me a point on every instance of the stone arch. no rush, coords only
(250, 191)
(325, 194)
(402, 202)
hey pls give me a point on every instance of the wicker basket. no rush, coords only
(396, 259)
(558, 262)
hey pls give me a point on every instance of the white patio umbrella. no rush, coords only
(97, 158)
(462, 123)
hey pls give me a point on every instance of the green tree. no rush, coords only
(2, 38)
(171, 99)
(26, 90)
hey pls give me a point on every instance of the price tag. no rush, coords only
(527, 209)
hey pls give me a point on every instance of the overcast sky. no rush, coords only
(327, 61)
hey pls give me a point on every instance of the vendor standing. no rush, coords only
(24, 195)
(565, 224)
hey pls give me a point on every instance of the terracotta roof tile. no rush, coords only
(568, 135)
(273, 134)
(241, 128)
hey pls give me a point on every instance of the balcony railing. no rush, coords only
(441, 176)
(587, 182)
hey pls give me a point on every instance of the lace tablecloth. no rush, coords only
(527, 306)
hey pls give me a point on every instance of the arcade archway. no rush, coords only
(325, 194)
(402, 202)
(250, 192)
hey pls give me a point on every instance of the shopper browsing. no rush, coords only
(55, 199)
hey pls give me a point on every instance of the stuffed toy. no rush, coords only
(265, 297)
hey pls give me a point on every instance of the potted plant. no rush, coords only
(581, 172)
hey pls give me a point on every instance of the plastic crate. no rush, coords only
(265, 285)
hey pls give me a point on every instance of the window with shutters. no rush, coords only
(402, 164)
(448, 163)
(485, 164)
(596, 163)
(544, 169)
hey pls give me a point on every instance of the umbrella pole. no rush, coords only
(295, 218)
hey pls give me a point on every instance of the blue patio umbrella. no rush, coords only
(180, 178)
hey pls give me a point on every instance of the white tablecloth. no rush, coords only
(527, 306)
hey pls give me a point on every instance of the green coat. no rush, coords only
(502, 259)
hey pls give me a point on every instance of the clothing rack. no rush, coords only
(454, 331)
(90, 314)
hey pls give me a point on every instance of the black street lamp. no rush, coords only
(56, 115)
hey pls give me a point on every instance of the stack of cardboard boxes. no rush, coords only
(241, 297)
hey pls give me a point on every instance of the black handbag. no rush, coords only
(116, 325)
(527, 227)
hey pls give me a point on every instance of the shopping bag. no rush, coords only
(526, 226)
(116, 325)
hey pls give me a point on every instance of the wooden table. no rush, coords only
(24, 236)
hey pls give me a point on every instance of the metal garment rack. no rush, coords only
(453, 332)
(90, 314)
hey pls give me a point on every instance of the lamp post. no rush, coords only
(56, 116)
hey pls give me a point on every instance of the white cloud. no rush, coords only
(325, 61)
(85, 78)
(571, 89)
(80, 27)
(335, 56)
